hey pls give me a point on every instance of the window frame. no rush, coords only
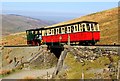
(57, 31)
(62, 30)
(75, 28)
(68, 29)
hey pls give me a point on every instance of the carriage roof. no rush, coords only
(61, 24)
(35, 29)
(67, 23)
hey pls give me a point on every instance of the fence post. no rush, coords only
(118, 74)
(68, 39)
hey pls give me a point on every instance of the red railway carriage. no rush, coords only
(84, 33)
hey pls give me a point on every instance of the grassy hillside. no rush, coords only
(18, 23)
(107, 19)
(91, 70)
(14, 39)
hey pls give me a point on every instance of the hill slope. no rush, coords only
(17, 23)
(108, 21)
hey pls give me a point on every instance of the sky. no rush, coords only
(55, 11)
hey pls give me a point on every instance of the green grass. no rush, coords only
(75, 68)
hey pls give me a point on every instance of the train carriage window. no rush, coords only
(52, 31)
(33, 32)
(72, 29)
(36, 32)
(69, 29)
(40, 31)
(88, 27)
(75, 28)
(80, 28)
(97, 27)
(92, 27)
(48, 31)
(60, 30)
(83, 26)
(57, 30)
(63, 30)
(45, 32)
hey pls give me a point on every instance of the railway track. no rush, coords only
(18, 46)
(59, 46)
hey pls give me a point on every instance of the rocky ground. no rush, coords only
(15, 59)
(91, 63)
(79, 62)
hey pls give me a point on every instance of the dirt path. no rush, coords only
(32, 73)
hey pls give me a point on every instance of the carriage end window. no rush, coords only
(96, 27)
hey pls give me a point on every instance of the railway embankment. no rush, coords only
(75, 62)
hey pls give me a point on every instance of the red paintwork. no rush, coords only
(74, 37)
